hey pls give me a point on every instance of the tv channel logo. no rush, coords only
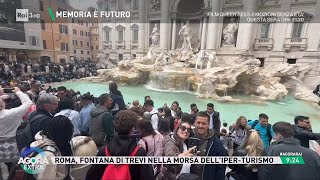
(22, 15)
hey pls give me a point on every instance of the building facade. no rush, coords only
(159, 23)
(19, 41)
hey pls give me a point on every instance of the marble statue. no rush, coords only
(186, 33)
(229, 33)
(199, 60)
(162, 59)
(212, 58)
(155, 36)
(155, 5)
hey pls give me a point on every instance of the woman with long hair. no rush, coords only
(54, 140)
(239, 132)
(150, 140)
(252, 146)
(176, 145)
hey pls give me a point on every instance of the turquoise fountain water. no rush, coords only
(281, 111)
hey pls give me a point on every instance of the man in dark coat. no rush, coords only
(287, 144)
(210, 145)
(303, 131)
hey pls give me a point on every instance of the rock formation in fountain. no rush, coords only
(212, 77)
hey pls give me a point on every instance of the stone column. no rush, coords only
(164, 24)
(204, 33)
(247, 39)
(142, 25)
(174, 34)
(213, 27)
(200, 29)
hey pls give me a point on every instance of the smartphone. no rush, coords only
(194, 142)
(8, 90)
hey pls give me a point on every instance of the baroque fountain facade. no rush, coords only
(211, 56)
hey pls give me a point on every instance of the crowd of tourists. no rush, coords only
(63, 122)
(46, 72)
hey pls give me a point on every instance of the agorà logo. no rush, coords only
(33, 160)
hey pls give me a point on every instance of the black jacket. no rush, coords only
(214, 147)
(40, 123)
(241, 171)
(308, 171)
(304, 135)
(122, 146)
(118, 104)
(216, 122)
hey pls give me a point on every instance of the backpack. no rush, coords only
(24, 135)
(155, 167)
(118, 171)
(268, 129)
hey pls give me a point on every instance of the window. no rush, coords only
(74, 31)
(120, 57)
(97, 47)
(81, 43)
(261, 62)
(81, 51)
(120, 30)
(135, 35)
(63, 29)
(264, 31)
(135, 32)
(297, 30)
(75, 42)
(292, 61)
(135, 4)
(120, 36)
(74, 51)
(107, 32)
(43, 24)
(81, 33)
(72, 20)
(34, 41)
(81, 22)
(88, 52)
(64, 47)
(88, 34)
(44, 44)
(96, 38)
(87, 24)
(88, 44)
(41, 6)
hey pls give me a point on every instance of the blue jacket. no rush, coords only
(215, 171)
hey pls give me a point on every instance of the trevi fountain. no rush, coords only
(237, 85)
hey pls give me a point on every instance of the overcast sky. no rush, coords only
(84, 4)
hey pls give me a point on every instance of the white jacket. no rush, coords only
(11, 118)
(154, 119)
